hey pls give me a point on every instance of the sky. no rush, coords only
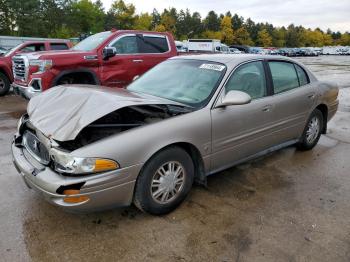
(309, 13)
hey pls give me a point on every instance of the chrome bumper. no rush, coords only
(25, 91)
(106, 190)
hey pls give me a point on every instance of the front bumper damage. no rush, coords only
(103, 191)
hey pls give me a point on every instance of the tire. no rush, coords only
(312, 131)
(150, 181)
(4, 84)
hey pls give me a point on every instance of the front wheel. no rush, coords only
(164, 181)
(312, 131)
(4, 84)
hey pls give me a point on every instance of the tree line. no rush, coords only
(71, 18)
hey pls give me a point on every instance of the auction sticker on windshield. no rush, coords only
(212, 67)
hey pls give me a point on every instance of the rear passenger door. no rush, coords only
(154, 48)
(293, 99)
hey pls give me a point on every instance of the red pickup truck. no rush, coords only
(112, 58)
(6, 76)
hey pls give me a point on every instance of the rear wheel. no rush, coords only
(164, 182)
(312, 131)
(4, 84)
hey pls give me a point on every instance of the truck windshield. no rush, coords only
(92, 42)
(191, 82)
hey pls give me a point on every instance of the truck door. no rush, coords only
(119, 70)
(154, 48)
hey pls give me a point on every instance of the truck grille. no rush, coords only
(36, 148)
(19, 68)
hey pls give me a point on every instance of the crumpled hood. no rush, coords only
(62, 112)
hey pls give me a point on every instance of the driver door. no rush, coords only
(119, 70)
(239, 131)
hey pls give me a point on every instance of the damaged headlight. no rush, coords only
(42, 65)
(65, 163)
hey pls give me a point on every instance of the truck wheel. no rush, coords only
(164, 181)
(4, 84)
(66, 80)
(312, 131)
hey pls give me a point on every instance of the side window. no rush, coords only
(33, 48)
(59, 46)
(249, 78)
(153, 44)
(303, 78)
(126, 45)
(284, 76)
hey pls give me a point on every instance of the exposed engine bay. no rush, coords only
(122, 120)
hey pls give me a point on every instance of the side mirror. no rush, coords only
(109, 51)
(235, 97)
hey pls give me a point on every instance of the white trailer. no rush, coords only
(204, 45)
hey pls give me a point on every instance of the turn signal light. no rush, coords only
(104, 165)
(74, 199)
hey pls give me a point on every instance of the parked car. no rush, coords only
(180, 47)
(87, 148)
(235, 51)
(3, 51)
(111, 58)
(242, 48)
(6, 73)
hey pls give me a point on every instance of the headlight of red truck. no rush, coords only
(38, 66)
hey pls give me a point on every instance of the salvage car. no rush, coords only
(86, 149)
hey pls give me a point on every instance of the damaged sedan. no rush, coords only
(90, 148)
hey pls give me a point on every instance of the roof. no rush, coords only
(231, 58)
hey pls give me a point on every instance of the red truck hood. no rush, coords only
(63, 111)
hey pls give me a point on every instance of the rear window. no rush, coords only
(284, 76)
(303, 78)
(59, 46)
(153, 44)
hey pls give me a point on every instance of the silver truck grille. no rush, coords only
(36, 148)
(19, 68)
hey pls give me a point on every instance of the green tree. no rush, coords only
(345, 39)
(212, 22)
(226, 30)
(212, 34)
(7, 18)
(143, 22)
(242, 37)
(86, 17)
(264, 38)
(237, 22)
(120, 16)
(279, 37)
(168, 20)
(155, 18)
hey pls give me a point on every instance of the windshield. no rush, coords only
(190, 82)
(92, 42)
(10, 51)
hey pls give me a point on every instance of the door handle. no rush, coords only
(267, 108)
(137, 60)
